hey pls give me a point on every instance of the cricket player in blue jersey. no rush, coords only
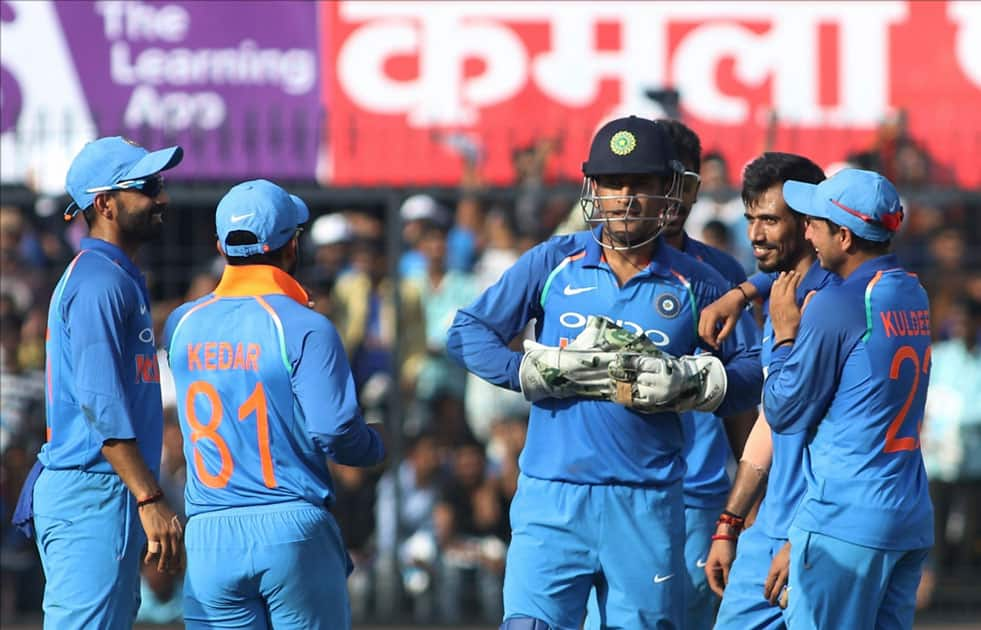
(709, 440)
(851, 373)
(265, 396)
(599, 501)
(771, 463)
(96, 502)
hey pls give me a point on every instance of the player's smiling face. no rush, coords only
(631, 206)
(775, 231)
(826, 243)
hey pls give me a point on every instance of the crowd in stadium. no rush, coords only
(444, 558)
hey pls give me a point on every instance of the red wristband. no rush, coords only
(730, 519)
(153, 498)
(724, 537)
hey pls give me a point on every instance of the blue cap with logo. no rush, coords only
(862, 201)
(113, 163)
(262, 208)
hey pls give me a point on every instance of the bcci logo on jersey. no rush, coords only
(667, 305)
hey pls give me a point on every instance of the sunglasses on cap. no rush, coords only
(151, 186)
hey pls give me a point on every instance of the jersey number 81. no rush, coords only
(256, 402)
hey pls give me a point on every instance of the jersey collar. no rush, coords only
(114, 253)
(253, 280)
(868, 268)
(660, 264)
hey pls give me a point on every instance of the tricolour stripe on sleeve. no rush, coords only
(562, 265)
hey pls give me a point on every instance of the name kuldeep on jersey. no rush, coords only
(906, 323)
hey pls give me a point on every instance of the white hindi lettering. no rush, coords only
(968, 15)
(443, 35)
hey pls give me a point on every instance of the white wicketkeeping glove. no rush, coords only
(579, 369)
(652, 384)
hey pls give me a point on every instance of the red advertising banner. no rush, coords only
(414, 88)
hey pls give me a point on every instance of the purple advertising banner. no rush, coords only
(237, 84)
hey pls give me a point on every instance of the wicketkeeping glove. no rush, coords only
(652, 384)
(579, 369)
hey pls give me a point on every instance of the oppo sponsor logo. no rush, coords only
(575, 321)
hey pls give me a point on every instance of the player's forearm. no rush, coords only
(353, 444)
(746, 489)
(125, 458)
(738, 427)
(480, 350)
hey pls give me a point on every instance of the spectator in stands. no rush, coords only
(330, 236)
(363, 310)
(19, 280)
(486, 403)
(471, 526)
(420, 478)
(355, 496)
(463, 242)
(717, 234)
(415, 212)
(718, 200)
(441, 293)
(529, 164)
(951, 438)
(21, 393)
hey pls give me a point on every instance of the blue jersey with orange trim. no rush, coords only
(707, 447)
(856, 382)
(785, 483)
(102, 378)
(264, 391)
(560, 283)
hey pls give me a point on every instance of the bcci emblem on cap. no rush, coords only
(623, 142)
(667, 305)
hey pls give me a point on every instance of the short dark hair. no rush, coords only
(774, 168)
(244, 237)
(686, 143)
(878, 248)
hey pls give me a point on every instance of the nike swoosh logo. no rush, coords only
(568, 290)
(235, 218)
(659, 578)
(700, 563)
(142, 309)
(765, 339)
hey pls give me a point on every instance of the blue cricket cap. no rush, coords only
(862, 201)
(261, 207)
(108, 161)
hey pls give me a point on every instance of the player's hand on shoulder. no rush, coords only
(717, 320)
(784, 312)
(165, 536)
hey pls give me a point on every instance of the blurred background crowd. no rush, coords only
(428, 530)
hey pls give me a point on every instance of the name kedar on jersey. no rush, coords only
(222, 355)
